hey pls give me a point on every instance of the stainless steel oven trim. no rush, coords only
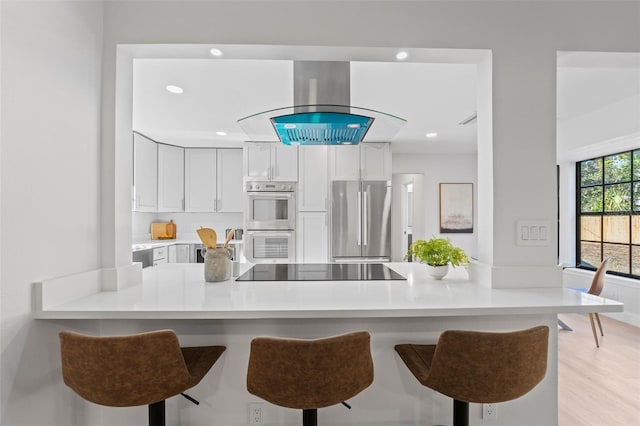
(289, 223)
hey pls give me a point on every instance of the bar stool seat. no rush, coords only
(140, 369)
(479, 367)
(310, 374)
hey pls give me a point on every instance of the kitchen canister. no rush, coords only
(217, 264)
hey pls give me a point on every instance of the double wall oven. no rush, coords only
(270, 219)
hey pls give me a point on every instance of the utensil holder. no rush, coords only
(217, 264)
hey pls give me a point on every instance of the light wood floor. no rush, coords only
(599, 387)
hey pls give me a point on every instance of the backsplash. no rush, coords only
(186, 223)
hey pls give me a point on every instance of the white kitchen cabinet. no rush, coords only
(213, 180)
(171, 254)
(345, 162)
(313, 182)
(313, 237)
(145, 174)
(229, 188)
(170, 178)
(160, 255)
(182, 254)
(375, 161)
(284, 162)
(366, 161)
(200, 180)
(270, 162)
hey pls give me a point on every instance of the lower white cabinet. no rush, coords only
(182, 253)
(312, 237)
(160, 255)
(171, 254)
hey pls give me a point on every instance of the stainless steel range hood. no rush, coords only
(322, 113)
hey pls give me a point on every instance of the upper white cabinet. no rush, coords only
(345, 162)
(270, 161)
(213, 180)
(145, 174)
(200, 180)
(375, 161)
(229, 189)
(170, 178)
(366, 161)
(313, 182)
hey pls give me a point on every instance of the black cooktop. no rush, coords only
(320, 272)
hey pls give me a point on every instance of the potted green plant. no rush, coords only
(438, 254)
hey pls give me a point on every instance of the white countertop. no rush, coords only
(147, 244)
(178, 291)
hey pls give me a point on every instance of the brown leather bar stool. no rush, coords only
(480, 367)
(310, 374)
(140, 369)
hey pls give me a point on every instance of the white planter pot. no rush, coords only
(437, 272)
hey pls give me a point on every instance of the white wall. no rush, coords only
(441, 168)
(50, 175)
(65, 222)
(613, 128)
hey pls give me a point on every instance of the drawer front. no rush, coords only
(159, 253)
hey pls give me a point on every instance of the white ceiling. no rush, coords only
(432, 97)
(434, 89)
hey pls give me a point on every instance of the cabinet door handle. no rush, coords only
(219, 205)
(365, 219)
(359, 230)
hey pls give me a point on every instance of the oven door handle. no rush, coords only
(288, 234)
(270, 195)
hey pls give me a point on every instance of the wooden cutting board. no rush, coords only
(160, 231)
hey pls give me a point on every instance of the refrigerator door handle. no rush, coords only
(359, 202)
(365, 225)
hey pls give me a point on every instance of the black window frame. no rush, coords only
(630, 213)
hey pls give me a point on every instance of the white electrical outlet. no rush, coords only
(489, 411)
(256, 414)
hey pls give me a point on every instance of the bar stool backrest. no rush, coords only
(597, 283)
(124, 371)
(310, 374)
(483, 367)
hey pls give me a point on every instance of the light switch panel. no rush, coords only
(532, 232)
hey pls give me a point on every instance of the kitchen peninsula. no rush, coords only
(397, 310)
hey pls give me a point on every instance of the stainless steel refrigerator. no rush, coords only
(360, 221)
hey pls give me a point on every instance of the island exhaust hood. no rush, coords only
(322, 113)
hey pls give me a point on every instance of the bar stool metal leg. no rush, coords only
(460, 413)
(156, 414)
(310, 417)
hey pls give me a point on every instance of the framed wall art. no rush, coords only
(456, 208)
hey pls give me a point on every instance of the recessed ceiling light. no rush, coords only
(345, 143)
(174, 89)
(215, 52)
(402, 55)
(289, 126)
(353, 126)
(220, 133)
(431, 135)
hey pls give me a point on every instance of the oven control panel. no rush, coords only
(270, 186)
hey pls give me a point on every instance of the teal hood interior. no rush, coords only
(321, 128)
(321, 125)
